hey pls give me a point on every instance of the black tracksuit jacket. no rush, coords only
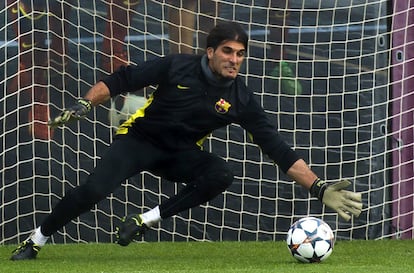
(185, 107)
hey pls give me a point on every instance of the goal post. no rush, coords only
(334, 77)
(402, 137)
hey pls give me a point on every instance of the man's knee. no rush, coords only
(217, 180)
(226, 178)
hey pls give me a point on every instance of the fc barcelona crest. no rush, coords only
(222, 106)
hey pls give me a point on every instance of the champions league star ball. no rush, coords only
(310, 240)
(122, 107)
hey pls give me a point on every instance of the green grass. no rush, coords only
(348, 256)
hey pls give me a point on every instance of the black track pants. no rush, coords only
(206, 175)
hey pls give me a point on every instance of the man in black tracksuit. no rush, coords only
(195, 95)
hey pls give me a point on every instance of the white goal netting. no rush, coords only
(334, 76)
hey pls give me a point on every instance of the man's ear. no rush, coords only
(210, 52)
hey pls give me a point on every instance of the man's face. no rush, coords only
(226, 60)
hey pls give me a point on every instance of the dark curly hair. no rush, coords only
(227, 31)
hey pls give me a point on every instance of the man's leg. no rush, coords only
(206, 176)
(124, 158)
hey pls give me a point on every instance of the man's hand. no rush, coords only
(75, 112)
(345, 203)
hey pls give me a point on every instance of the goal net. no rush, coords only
(334, 76)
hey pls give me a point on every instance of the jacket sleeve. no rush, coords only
(135, 77)
(255, 121)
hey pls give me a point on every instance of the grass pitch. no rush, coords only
(202, 257)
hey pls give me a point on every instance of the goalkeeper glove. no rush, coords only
(334, 196)
(75, 112)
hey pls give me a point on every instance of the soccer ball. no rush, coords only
(310, 240)
(122, 107)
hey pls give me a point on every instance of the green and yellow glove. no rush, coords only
(345, 203)
(75, 112)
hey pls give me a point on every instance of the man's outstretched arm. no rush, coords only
(345, 203)
(96, 95)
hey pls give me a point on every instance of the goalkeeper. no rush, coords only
(195, 95)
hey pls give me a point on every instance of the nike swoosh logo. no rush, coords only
(25, 45)
(281, 14)
(25, 14)
(129, 3)
(182, 87)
